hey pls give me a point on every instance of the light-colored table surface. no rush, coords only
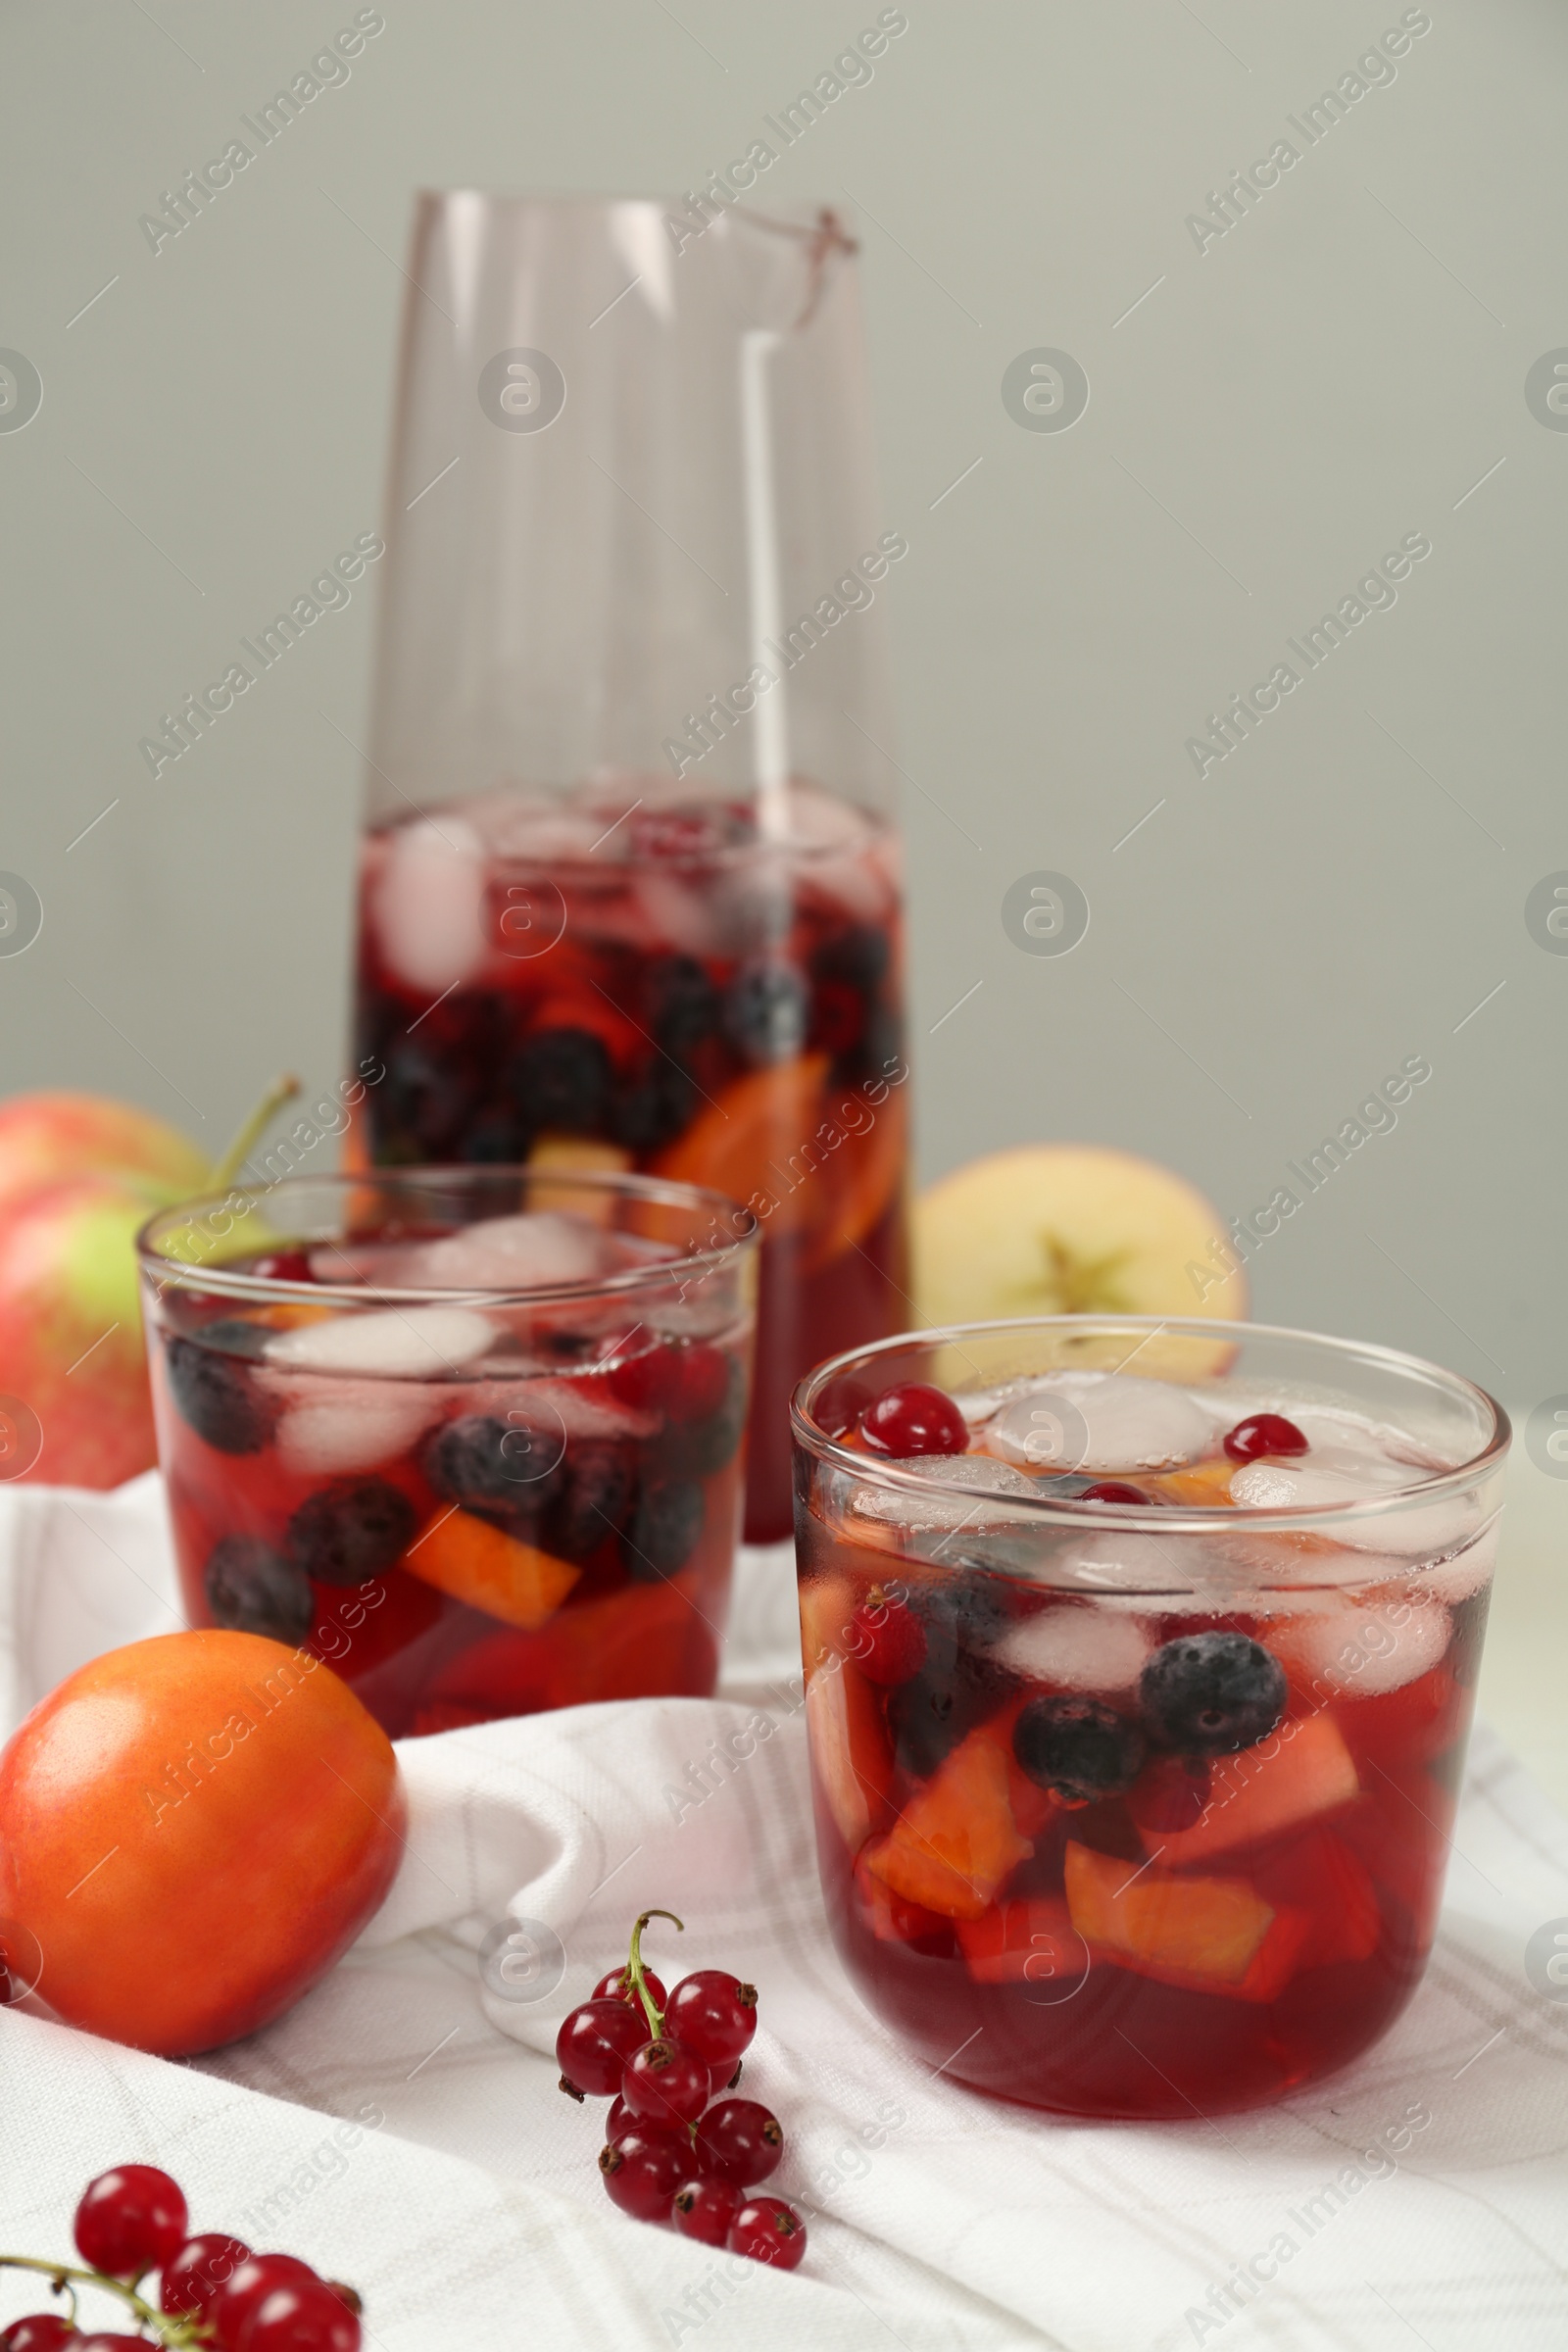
(1524, 1674)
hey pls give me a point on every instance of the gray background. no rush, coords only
(1339, 370)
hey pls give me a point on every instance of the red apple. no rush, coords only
(78, 1177)
(70, 1340)
(47, 1137)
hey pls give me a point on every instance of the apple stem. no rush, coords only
(282, 1090)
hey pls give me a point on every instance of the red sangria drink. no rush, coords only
(1140, 1665)
(642, 980)
(474, 1436)
(629, 892)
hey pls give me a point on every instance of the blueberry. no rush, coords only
(236, 1337)
(496, 1139)
(348, 1532)
(216, 1395)
(654, 1109)
(700, 1448)
(856, 959)
(664, 1527)
(253, 1588)
(1209, 1694)
(438, 1077)
(491, 1467)
(939, 1706)
(560, 1081)
(1078, 1747)
(764, 1012)
(978, 1604)
(593, 1499)
(682, 1004)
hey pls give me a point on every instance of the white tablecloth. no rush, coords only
(402, 2127)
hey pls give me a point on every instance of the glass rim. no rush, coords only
(173, 1273)
(802, 218)
(1064, 1512)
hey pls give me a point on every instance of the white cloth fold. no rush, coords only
(401, 2126)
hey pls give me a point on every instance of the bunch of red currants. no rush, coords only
(669, 2153)
(212, 2290)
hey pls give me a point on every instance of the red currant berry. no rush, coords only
(913, 1418)
(887, 1639)
(644, 2168)
(683, 1379)
(258, 2277)
(193, 2276)
(1113, 1490)
(620, 2118)
(1265, 1434)
(705, 2208)
(740, 2140)
(767, 2229)
(284, 1265)
(130, 2220)
(617, 1986)
(106, 2343)
(594, 2044)
(304, 2316)
(39, 2331)
(665, 2082)
(714, 2015)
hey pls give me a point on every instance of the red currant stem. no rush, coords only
(634, 1969)
(63, 2275)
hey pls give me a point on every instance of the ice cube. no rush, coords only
(381, 1265)
(540, 1249)
(1120, 1568)
(580, 1409)
(678, 916)
(1419, 1530)
(524, 829)
(430, 902)
(820, 820)
(351, 1425)
(1466, 1573)
(1309, 1486)
(397, 1343)
(1362, 1651)
(1104, 1422)
(1078, 1646)
(934, 1512)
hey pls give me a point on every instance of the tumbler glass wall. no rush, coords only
(630, 892)
(1137, 1713)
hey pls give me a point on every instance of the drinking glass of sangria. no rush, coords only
(630, 887)
(474, 1437)
(1141, 1659)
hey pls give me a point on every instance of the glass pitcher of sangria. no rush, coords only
(630, 894)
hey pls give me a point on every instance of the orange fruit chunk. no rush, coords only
(1030, 1940)
(1300, 1771)
(956, 1841)
(750, 1143)
(860, 1178)
(571, 1156)
(1206, 1935)
(1203, 1484)
(850, 1752)
(475, 1562)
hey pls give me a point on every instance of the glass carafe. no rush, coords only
(630, 893)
